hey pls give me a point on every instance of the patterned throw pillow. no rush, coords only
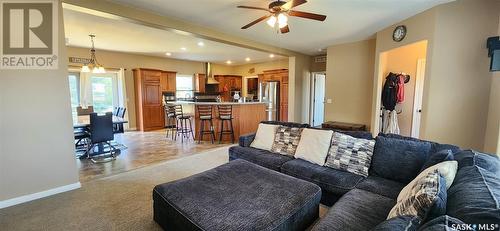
(286, 140)
(425, 194)
(350, 154)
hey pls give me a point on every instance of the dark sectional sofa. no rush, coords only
(360, 203)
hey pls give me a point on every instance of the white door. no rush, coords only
(319, 99)
(417, 104)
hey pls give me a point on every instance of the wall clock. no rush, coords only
(399, 33)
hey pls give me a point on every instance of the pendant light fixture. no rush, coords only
(93, 66)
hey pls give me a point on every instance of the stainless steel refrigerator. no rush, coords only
(269, 93)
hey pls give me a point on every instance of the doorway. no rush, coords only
(318, 99)
(408, 63)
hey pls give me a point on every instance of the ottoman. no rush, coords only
(236, 196)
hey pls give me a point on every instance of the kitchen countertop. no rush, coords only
(217, 103)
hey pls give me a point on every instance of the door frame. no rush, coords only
(418, 98)
(312, 91)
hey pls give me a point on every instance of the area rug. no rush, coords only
(118, 202)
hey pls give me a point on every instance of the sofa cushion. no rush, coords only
(427, 199)
(336, 181)
(264, 137)
(438, 157)
(435, 147)
(286, 140)
(381, 186)
(314, 145)
(258, 156)
(486, 161)
(350, 154)
(474, 196)
(399, 160)
(356, 210)
(407, 223)
(445, 223)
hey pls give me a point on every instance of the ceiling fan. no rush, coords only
(278, 11)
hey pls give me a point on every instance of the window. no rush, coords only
(104, 92)
(74, 89)
(184, 87)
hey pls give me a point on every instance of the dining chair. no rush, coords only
(118, 128)
(84, 111)
(101, 133)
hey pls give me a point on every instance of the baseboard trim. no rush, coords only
(38, 195)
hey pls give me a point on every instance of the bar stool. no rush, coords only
(205, 115)
(171, 120)
(225, 115)
(183, 129)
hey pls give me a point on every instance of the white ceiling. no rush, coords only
(116, 35)
(348, 20)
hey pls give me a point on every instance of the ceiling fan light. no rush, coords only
(272, 21)
(85, 69)
(282, 20)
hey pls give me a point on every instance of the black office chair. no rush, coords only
(101, 132)
(118, 128)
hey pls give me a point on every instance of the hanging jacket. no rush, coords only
(389, 92)
(401, 89)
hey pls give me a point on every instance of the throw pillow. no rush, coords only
(398, 160)
(264, 138)
(314, 145)
(438, 157)
(447, 170)
(350, 154)
(286, 140)
(427, 199)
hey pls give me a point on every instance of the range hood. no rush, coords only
(210, 77)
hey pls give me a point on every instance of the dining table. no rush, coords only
(83, 121)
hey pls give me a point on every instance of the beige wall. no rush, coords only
(349, 81)
(130, 61)
(404, 59)
(457, 84)
(36, 133)
(492, 136)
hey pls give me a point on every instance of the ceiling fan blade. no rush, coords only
(307, 15)
(256, 21)
(292, 3)
(285, 29)
(253, 8)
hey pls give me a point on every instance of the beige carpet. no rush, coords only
(120, 202)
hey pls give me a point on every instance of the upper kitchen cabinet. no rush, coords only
(167, 81)
(200, 81)
(228, 84)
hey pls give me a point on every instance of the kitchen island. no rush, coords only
(246, 118)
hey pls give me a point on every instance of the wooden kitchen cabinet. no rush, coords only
(200, 81)
(281, 76)
(148, 99)
(167, 81)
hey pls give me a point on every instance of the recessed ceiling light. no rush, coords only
(168, 54)
(271, 56)
(320, 49)
(201, 44)
(229, 62)
(247, 59)
(183, 48)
